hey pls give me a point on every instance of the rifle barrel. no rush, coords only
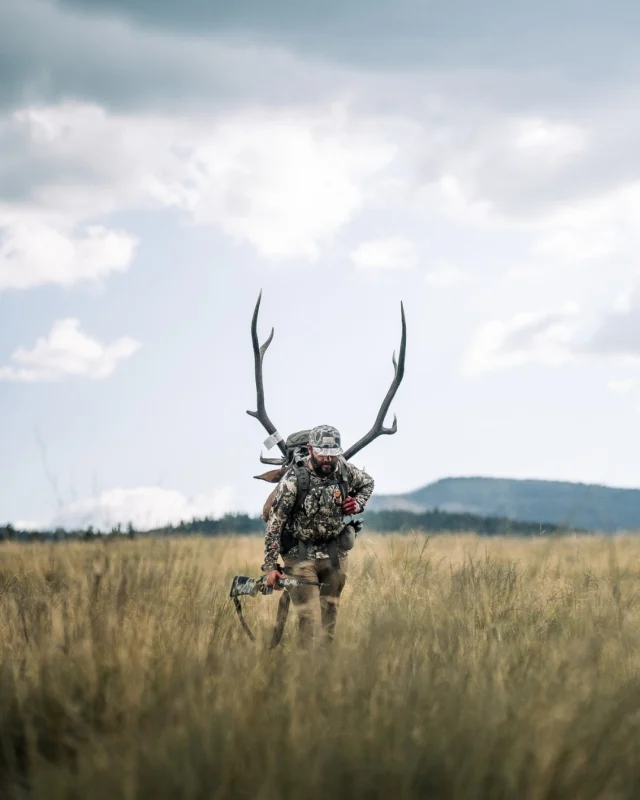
(298, 582)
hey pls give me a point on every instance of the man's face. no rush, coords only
(324, 465)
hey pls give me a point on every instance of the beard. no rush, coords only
(320, 467)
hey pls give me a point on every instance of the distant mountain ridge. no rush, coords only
(577, 505)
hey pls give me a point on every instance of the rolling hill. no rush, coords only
(577, 505)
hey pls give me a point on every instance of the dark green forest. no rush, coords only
(241, 524)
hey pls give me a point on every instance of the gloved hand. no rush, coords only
(273, 576)
(351, 506)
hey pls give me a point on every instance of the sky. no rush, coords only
(162, 163)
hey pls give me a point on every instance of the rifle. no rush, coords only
(251, 587)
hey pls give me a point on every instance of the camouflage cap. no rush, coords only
(325, 441)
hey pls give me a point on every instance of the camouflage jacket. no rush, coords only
(320, 518)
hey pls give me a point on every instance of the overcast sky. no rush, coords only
(160, 163)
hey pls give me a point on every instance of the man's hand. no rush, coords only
(272, 579)
(351, 506)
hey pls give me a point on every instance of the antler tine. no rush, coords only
(258, 356)
(278, 461)
(265, 346)
(378, 428)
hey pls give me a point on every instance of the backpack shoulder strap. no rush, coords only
(344, 478)
(303, 482)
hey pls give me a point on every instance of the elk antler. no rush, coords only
(378, 426)
(258, 354)
(264, 460)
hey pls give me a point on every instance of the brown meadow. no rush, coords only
(463, 667)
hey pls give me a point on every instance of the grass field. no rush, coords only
(462, 668)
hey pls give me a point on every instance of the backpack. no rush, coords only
(296, 444)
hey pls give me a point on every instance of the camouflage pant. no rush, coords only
(313, 604)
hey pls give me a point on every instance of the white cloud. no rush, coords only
(145, 507)
(26, 525)
(286, 181)
(66, 352)
(33, 253)
(593, 228)
(623, 303)
(394, 252)
(493, 169)
(529, 337)
(457, 199)
(564, 188)
(609, 336)
(543, 138)
(617, 334)
(622, 385)
(577, 241)
(523, 272)
(444, 273)
(283, 181)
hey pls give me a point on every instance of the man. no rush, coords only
(306, 535)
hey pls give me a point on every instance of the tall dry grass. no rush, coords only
(462, 668)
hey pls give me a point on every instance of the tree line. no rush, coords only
(433, 521)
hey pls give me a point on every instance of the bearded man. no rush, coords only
(306, 528)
